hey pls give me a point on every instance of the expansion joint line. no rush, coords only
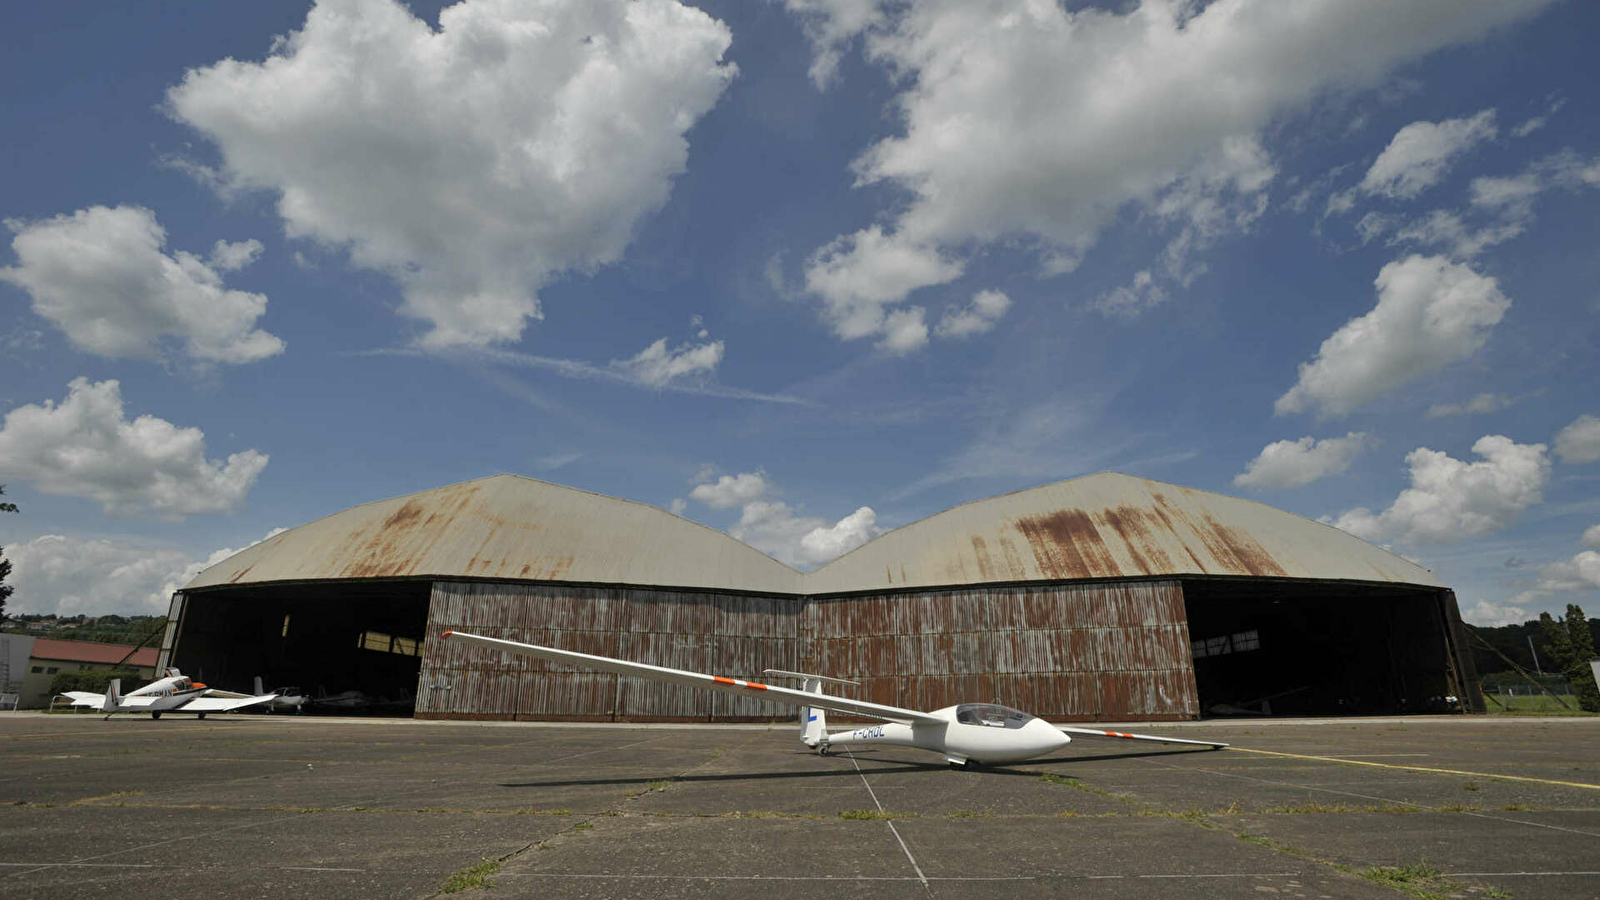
(890, 822)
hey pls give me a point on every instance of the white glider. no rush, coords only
(174, 693)
(966, 734)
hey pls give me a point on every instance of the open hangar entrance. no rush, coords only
(1308, 648)
(356, 644)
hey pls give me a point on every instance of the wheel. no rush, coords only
(155, 715)
(822, 750)
(200, 715)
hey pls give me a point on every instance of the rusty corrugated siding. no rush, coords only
(727, 635)
(1088, 651)
(1085, 651)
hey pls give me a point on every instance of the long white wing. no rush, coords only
(220, 704)
(788, 696)
(1096, 732)
(85, 698)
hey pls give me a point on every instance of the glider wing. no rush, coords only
(1097, 732)
(787, 696)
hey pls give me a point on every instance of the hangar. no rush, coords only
(1101, 597)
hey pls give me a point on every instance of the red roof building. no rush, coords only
(93, 652)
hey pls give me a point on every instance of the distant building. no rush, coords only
(1104, 597)
(48, 657)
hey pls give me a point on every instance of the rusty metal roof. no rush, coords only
(1099, 526)
(1108, 526)
(513, 528)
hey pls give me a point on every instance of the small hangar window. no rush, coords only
(388, 643)
(1225, 644)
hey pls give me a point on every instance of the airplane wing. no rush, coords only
(212, 703)
(788, 696)
(84, 698)
(139, 701)
(214, 692)
(1097, 732)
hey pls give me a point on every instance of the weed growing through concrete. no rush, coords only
(875, 814)
(1471, 786)
(471, 878)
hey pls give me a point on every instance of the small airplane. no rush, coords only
(289, 698)
(967, 734)
(175, 692)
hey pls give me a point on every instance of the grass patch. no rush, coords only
(1535, 705)
(1472, 786)
(583, 826)
(471, 878)
(1319, 808)
(874, 814)
(1422, 871)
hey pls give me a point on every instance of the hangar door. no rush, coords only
(355, 646)
(1321, 648)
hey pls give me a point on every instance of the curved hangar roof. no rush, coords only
(507, 527)
(1109, 526)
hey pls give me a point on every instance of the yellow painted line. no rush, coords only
(1378, 765)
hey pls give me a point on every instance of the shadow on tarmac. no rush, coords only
(895, 765)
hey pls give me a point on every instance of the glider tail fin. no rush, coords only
(259, 689)
(813, 720)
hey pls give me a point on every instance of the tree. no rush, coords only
(5, 564)
(1582, 674)
(1569, 646)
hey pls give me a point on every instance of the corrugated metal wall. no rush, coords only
(729, 635)
(1081, 651)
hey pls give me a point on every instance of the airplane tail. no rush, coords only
(113, 699)
(813, 720)
(259, 689)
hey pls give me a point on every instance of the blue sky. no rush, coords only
(803, 270)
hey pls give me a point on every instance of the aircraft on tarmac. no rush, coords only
(176, 692)
(283, 698)
(966, 734)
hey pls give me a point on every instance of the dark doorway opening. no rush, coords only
(353, 648)
(1319, 649)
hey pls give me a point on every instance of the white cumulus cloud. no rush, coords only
(905, 330)
(775, 527)
(1579, 442)
(1487, 614)
(976, 317)
(85, 446)
(657, 366)
(1036, 125)
(1451, 500)
(67, 575)
(102, 276)
(474, 161)
(1430, 313)
(1420, 154)
(1288, 464)
(1478, 405)
(732, 491)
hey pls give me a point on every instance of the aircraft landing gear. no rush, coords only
(200, 715)
(155, 715)
(823, 750)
